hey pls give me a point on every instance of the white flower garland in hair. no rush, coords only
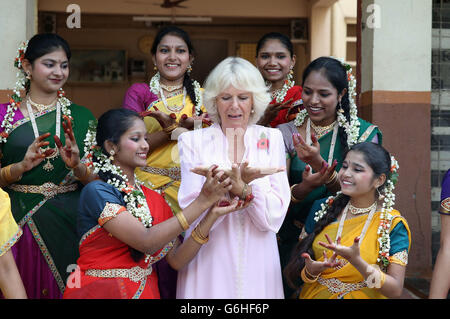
(16, 99)
(155, 89)
(386, 216)
(134, 198)
(324, 207)
(352, 127)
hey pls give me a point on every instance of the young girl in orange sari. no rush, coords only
(126, 227)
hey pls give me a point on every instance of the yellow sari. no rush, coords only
(162, 173)
(346, 282)
(9, 230)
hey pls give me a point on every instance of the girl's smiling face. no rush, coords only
(172, 58)
(131, 152)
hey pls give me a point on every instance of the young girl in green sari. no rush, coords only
(42, 177)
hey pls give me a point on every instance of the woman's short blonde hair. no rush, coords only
(242, 75)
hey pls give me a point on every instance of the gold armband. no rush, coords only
(182, 219)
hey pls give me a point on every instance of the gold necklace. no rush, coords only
(41, 107)
(322, 130)
(171, 88)
(358, 211)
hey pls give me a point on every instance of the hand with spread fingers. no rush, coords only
(349, 253)
(316, 267)
(249, 174)
(165, 120)
(319, 178)
(186, 122)
(216, 186)
(272, 111)
(310, 154)
(70, 152)
(35, 155)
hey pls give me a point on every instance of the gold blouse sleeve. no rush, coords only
(10, 232)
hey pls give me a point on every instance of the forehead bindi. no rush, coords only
(356, 159)
(58, 56)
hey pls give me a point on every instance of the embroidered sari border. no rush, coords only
(110, 211)
(6, 246)
(366, 133)
(46, 253)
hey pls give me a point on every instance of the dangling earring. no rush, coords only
(28, 77)
(252, 111)
(155, 68)
(189, 69)
(340, 109)
(380, 196)
(111, 157)
(290, 76)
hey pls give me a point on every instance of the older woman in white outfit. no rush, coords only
(239, 255)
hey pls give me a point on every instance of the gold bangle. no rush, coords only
(305, 278)
(198, 237)
(182, 219)
(170, 128)
(5, 175)
(293, 199)
(86, 174)
(311, 275)
(383, 278)
(332, 179)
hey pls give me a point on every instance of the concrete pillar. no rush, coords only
(18, 22)
(396, 95)
(320, 24)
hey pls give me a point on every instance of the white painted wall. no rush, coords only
(18, 23)
(397, 55)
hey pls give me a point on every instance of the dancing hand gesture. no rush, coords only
(318, 178)
(272, 111)
(165, 120)
(70, 153)
(214, 189)
(34, 155)
(310, 154)
(249, 174)
(316, 267)
(349, 253)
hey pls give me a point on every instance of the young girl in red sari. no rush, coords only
(275, 60)
(124, 226)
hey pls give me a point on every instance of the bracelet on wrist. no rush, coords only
(5, 175)
(182, 219)
(307, 277)
(198, 236)
(332, 179)
(170, 128)
(293, 199)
